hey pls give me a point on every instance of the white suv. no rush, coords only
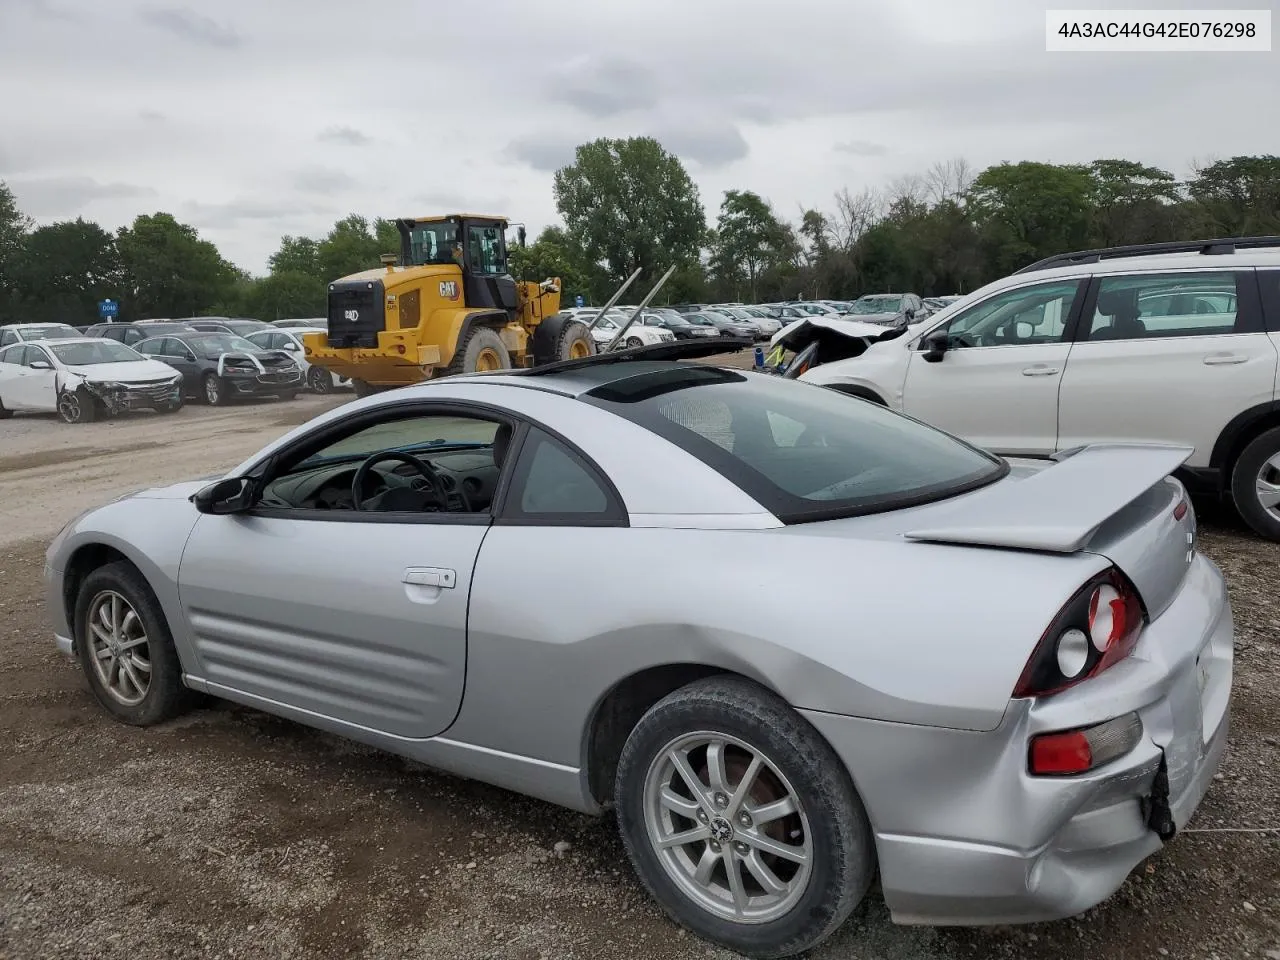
(1161, 343)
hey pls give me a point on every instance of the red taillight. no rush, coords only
(1059, 753)
(1180, 510)
(1079, 751)
(1097, 627)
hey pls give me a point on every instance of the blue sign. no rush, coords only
(578, 301)
(108, 309)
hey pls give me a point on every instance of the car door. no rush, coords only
(360, 617)
(1167, 357)
(11, 369)
(178, 355)
(35, 386)
(997, 383)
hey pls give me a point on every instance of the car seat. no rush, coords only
(1122, 307)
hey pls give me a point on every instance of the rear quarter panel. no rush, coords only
(888, 630)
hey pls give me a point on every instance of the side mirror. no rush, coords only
(935, 346)
(910, 313)
(232, 495)
(291, 347)
(40, 365)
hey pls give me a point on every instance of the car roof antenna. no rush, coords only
(635, 313)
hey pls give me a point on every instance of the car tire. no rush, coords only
(575, 342)
(1258, 467)
(633, 342)
(320, 380)
(213, 389)
(77, 406)
(482, 350)
(121, 605)
(828, 822)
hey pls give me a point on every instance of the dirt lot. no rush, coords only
(233, 834)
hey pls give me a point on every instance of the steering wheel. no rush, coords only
(425, 469)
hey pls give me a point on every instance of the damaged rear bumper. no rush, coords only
(966, 836)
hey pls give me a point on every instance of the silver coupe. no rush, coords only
(866, 646)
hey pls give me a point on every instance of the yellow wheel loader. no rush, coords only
(446, 305)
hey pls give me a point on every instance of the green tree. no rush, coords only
(1133, 203)
(1026, 211)
(296, 255)
(168, 271)
(1239, 196)
(553, 254)
(749, 242)
(65, 269)
(14, 226)
(630, 204)
(354, 244)
(286, 294)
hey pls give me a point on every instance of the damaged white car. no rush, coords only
(84, 379)
(817, 340)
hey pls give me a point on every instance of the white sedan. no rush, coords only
(604, 329)
(290, 339)
(83, 379)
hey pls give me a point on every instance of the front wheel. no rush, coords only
(741, 821)
(1255, 484)
(215, 391)
(633, 342)
(126, 649)
(77, 406)
(320, 380)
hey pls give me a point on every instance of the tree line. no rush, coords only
(630, 203)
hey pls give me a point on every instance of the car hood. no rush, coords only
(176, 491)
(128, 372)
(800, 333)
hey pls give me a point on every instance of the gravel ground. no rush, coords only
(230, 833)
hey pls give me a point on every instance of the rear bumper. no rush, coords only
(965, 836)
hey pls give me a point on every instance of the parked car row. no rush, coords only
(109, 368)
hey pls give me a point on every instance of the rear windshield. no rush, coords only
(803, 451)
(83, 354)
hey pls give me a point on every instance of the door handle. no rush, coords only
(430, 577)
(1039, 371)
(1217, 359)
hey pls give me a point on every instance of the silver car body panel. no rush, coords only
(500, 676)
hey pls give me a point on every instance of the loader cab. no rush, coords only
(474, 243)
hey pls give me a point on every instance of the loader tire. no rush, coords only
(483, 350)
(575, 342)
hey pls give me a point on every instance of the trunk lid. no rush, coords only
(1115, 500)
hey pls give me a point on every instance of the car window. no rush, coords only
(90, 352)
(13, 354)
(1027, 315)
(466, 452)
(803, 451)
(7, 337)
(554, 484)
(34, 355)
(1165, 305)
(260, 339)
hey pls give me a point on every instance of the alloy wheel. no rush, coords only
(119, 648)
(1268, 486)
(69, 408)
(728, 827)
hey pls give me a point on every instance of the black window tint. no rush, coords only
(1165, 305)
(553, 484)
(804, 452)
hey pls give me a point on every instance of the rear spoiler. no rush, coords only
(1059, 508)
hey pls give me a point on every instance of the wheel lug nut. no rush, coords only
(742, 848)
(745, 820)
(721, 800)
(715, 846)
(702, 815)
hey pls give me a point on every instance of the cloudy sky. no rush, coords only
(255, 118)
